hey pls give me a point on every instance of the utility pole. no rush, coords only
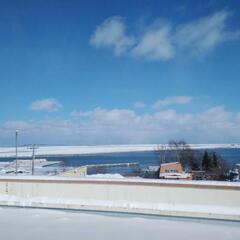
(16, 146)
(33, 157)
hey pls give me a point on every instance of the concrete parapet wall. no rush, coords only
(172, 198)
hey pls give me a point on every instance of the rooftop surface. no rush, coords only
(28, 224)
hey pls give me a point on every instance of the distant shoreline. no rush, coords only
(51, 151)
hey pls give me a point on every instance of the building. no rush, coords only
(173, 170)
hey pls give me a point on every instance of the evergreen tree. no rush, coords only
(206, 162)
(214, 160)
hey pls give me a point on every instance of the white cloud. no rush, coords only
(174, 100)
(17, 125)
(112, 34)
(155, 44)
(102, 126)
(48, 104)
(204, 34)
(139, 104)
(108, 117)
(161, 41)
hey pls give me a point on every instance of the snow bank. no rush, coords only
(104, 176)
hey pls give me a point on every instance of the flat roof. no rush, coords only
(163, 164)
(38, 224)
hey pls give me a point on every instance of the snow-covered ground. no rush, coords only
(38, 224)
(81, 150)
(104, 176)
(41, 167)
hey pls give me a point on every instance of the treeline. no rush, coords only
(212, 164)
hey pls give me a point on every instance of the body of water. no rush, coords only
(145, 159)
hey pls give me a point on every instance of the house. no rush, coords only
(173, 170)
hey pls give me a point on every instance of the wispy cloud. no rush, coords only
(139, 104)
(112, 34)
(204, 34)
(173, 100)
(162, 40)
(155, 44)
(108, 117)
(48, 104)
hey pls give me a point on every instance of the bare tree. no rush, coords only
(179, 151)
(161, 152)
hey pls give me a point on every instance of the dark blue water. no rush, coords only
(232, 156)
(145, 159)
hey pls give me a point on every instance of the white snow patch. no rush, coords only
(111, 176)
(124, 180)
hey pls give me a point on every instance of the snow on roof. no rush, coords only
(170, 163)
(107, 176)
(123, 180)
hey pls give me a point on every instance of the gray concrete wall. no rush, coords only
(171, 198)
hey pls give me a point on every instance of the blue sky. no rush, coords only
(108, 72)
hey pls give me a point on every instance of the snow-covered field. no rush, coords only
(38, 224)
(81, 150)
(41, 167)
